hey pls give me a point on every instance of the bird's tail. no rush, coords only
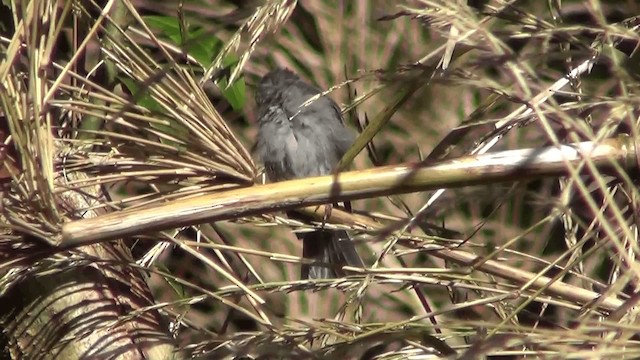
(331, 249)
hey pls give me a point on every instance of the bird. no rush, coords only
(296, 141)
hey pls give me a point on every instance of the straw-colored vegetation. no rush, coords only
(493, 185)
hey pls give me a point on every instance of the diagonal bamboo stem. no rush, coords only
(395, 179)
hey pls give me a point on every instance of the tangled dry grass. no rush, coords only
(493, 185)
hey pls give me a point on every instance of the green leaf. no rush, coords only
(169, 27)
(145, 100)
(141, 98)
(203, 47)
(234, 94)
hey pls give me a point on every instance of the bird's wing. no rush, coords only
(276, 144)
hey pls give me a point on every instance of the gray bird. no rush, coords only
(296, 142)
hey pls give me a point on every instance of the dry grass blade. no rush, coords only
(58, 302)
(266, 19)
(31, 202)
